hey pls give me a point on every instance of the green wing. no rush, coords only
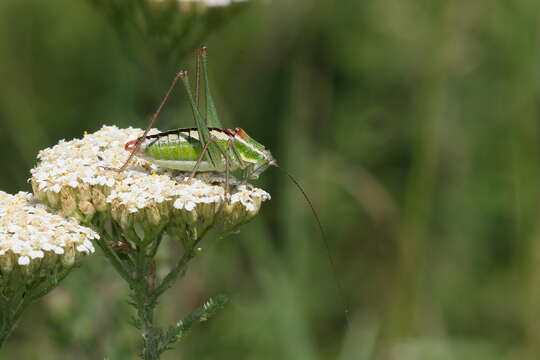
(213, 119)
(213, 154)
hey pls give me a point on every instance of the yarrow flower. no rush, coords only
(75, 178)
(31, 235)
(37, 250)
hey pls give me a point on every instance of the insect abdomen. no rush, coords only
(180, 150)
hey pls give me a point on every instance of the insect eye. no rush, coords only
(240, 132)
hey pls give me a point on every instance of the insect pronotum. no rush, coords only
(209, 147)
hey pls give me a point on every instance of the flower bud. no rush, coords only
(6, 263)
(40, 195)
(85, 192)
(164, 210)
(87, 209)
(99, 200)
(32, 269)
(190, 216)
(125, 219)
(208, 210)
(68, 258)
(227, 210)
(153, 215)
(53, 198)
(49, 261)
(67, 199)
(116, 210)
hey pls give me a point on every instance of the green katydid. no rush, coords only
(209, 147)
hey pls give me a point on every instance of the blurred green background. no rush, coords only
(413, 125)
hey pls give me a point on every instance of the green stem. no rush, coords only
(145, 304)
(141, 293)
(114, 259)
(156, 244)
(137, 268)
(10, 321)
(149, 331)
(179, 270)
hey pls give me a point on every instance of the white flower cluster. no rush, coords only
(29, 232)
(248, 197)
(81, 161)
(76, 176)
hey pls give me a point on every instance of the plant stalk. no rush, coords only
(149, 331)
(143, 295)
(137, 266)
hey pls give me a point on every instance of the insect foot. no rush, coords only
(37, 250)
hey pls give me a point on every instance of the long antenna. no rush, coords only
(152, 122)
(339, 287)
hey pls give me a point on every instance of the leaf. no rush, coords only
(179, 330)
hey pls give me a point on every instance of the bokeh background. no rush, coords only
(413, 125)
